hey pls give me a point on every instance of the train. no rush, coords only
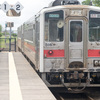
(63, 43)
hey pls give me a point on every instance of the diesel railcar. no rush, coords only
(63, 43)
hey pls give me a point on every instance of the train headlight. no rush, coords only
(96, 63)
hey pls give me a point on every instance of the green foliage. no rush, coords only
(0, 34)
(6, 33)
(0, 28)
(96, 2)
(14, 35)
(86, 2)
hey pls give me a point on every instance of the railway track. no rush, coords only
(90, 98)
(70, 96)
(75, 96)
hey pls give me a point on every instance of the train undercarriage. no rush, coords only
(72, 79)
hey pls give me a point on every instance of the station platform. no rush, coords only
(19, 81)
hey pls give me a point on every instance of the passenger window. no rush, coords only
(54, 26)
(76, 31)
(94, 26)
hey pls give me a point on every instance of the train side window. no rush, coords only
(94, 26)
(54, 26)
(34, 26)
(76, 31)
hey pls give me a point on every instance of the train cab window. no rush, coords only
(54, 26)
(76, 31)
(94, 26)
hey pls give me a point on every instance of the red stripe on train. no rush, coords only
(93, 53)
(56, 53)
(30, 46)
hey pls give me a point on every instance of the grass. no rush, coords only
(4, 43)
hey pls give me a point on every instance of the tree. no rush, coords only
(86, 2)
(96, 2)
(14, 35)
(0, 34)
(0, 28)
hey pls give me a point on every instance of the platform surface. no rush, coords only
(19, 81)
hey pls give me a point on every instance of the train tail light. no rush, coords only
(50, 52)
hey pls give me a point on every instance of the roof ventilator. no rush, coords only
(64, 2)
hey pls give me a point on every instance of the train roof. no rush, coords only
(70, 7)
(54, 8)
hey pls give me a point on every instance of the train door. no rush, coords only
(77, 40)
(37, 40)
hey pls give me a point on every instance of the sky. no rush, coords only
(31, 7)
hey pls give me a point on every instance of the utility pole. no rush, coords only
(90, 2)
(10, 25)
(10, 31)
(10, 40)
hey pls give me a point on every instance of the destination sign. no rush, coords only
(54, 15)
(94, 15)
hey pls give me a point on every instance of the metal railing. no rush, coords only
(7, 44)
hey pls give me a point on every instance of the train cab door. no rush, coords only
(76, 44)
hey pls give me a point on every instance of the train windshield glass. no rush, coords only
(94, 26)
(54, 26)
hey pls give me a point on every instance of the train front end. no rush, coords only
(70, 51)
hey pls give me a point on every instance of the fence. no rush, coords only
(8, 44)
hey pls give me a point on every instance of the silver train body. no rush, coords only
(63, 43)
